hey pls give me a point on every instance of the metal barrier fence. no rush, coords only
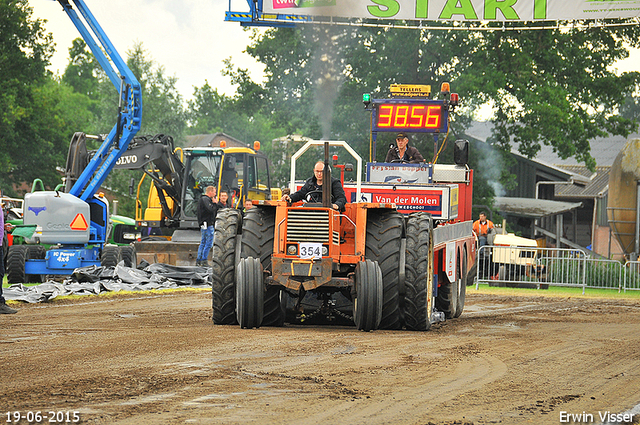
(631, 276)
(533, 267)
(607, 274)
(530, 266)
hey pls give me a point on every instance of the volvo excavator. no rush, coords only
(179, 178)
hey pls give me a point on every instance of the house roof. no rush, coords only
(603, 149)
(212, 140)
(596, 188)
(534, 208)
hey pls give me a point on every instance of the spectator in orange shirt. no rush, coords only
(482, 227)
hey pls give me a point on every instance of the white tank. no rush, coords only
(59, 217)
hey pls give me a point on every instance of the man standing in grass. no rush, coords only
(4, 308)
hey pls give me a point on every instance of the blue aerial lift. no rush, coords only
(255, 17)
(75, 223)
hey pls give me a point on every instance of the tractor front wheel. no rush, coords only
(258, 229)
(111, 256)
(367, 309)
(249, 293)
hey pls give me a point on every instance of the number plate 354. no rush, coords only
(310, 250)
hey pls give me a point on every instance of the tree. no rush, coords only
(553, 87)
(33, 118)
(83, 72)
(162, 104)
(631, 107)
(240, 116)
(209, 110)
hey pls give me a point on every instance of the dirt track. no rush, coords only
(158, 359)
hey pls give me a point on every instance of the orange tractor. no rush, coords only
(369, 264)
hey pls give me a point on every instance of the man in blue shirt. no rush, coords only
(207, 212)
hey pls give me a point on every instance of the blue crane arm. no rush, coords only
(130, 101)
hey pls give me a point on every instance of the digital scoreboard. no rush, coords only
(413, 116)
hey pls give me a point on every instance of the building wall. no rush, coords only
(605, 245)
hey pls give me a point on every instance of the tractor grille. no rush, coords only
(308, 226)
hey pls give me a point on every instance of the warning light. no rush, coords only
(366, 99)
(256, 145)
(223, 143)
(79, 223)
(454, 99)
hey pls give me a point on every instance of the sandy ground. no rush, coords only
(158, 359)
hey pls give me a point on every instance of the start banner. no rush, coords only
(459, 10)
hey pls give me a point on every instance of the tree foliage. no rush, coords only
(241, 116)
(33, 121)
(553, 87)
(163, 106)
(83, 73)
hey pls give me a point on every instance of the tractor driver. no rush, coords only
(402, 152)
(314, 184)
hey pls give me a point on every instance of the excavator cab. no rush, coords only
(242, 172)
(201, 170)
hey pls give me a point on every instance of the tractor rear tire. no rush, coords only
(223, 267)
(249, 293)
(129, 256)
(382, 244)
(111, 256)
(417, 302)
(258, 229)
(16, 260)
(367, 308)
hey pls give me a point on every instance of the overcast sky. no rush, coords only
(189, 38)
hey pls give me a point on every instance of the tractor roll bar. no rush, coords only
(342, 143)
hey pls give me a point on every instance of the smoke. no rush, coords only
(490, 166)
(326, 75)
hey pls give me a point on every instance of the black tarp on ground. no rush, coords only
(94, 280)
